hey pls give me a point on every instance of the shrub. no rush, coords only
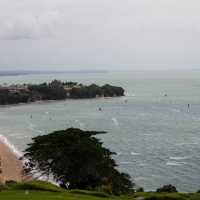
(10, 182)
(167, 188)
(3, 187)
(97, 194)
(140, 189)
(164, 198)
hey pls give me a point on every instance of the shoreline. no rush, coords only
(43, 101)
(10, 164)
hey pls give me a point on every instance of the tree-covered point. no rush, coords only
(57, 90)
(77, 159)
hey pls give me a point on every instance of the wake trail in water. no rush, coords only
(30, 127)
(81, 124)
(44, 117)
(115, 121)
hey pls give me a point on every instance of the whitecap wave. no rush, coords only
(38, 131)
(187, 143)
(173, 163)
(177, 158)
(135, 154)
(14, 134)
(2, 113)
(139, 178)
(129, 95)
(174, 110)
(141, 164)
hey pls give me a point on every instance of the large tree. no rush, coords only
(74, 157)
(53, 91)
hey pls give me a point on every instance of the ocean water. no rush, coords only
(154, 133)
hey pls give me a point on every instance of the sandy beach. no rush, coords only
(10, 164)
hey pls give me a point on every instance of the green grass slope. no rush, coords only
(35, 185)
(169, 196)
(42, 190)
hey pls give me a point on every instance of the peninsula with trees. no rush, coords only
(56, 90)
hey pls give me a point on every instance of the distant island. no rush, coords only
(56, 90)
(25, 72)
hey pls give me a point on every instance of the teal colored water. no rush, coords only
(156, 137)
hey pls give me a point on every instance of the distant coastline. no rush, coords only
(38, 72)
(24, 72)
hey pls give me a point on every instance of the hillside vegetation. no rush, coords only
(42, 190)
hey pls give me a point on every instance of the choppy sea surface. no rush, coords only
(154, 128)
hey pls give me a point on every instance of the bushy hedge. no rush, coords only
(167, 188)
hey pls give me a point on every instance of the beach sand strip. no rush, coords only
(10, 164)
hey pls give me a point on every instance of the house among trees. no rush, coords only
(13, 87)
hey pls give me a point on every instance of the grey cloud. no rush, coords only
(107, 34)
(26, 25)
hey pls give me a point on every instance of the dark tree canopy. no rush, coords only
(53, 91)
(93, 90)
(8, 97)
(75, 157)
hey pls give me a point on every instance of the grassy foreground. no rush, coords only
(46, 191)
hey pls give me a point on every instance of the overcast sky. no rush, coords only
(99, 34)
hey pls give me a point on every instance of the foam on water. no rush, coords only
(135, 154)
(139, 178)
(141, 165)
(129, 95)
(178, 158)
(14, 135)
(82, 126)
(174, 110)
(176, 163)
(10, 146)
